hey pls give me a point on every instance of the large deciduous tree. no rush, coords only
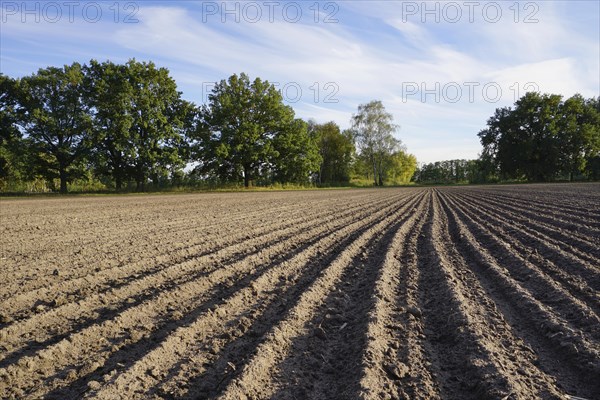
(374, 127)
(109, 94)
(139, 121)
(56, 119)
(158, 121)
(246, 131)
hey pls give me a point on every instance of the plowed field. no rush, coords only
(454, 293)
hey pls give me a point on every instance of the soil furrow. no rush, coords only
(139, 320)
(576, 247)
(557, 347)
(558, 209)
(221, 373)
(327, 361)
(71, 290)
(111, 251)
(528, 277)
(573, 198)
(581, 280)
(62, 320)
(143, 242)
(454, 345)
(208, 328)
(255, 378)
(584, 245)
(408, 332)
(508, 370)
(399, 293)
(392, 360)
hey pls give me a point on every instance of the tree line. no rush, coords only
(127, 124)
(542, 138)
(455, 172)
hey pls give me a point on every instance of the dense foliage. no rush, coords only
(544, 138)
(456, 171)
(246, 132)
(107, 126)
(125, 126)
(337, 152)
(139, 120)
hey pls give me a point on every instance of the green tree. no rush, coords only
(401, 167)
(238, 128)
(296, 154)
(456, 171)
(56, 120)
(524, 141)
(361, 167)
(13, 147)
(579, 133)
(481, 170)
(158, 122)
(140, 122)
(542, 137)
(109, 94)
(337, 151)
(373, 129)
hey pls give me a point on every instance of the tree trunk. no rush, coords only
(374, 172)
(63, 180)
(380, 171)
(246, 177)
(140, 181)
(62, 174)
(118, 177)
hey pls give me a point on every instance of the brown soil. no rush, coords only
(456, 293)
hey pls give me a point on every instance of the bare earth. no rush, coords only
(453, 293)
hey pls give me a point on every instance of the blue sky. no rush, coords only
(440, 67)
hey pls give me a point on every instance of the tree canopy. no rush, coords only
(54, 116)
(337, 153)
(543, 136)
(247, 132)
(373, 128)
